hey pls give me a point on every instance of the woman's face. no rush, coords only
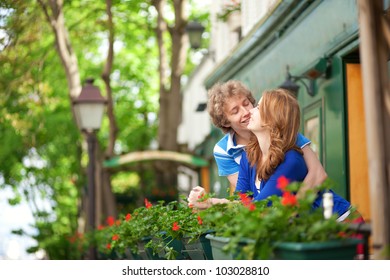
(255, 122)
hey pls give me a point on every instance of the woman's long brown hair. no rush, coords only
(279, 111)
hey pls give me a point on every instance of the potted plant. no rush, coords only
(266, 229)
(167, 241)
(233, 237)
(157, 231)
(103, 237)
(305, 233)
(182, 233)
(134, 231)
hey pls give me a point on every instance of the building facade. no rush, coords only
(317, 44)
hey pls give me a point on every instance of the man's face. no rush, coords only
(237, 111)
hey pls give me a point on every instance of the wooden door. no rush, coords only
(358, 163)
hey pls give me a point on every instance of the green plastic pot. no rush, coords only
(218, 243)
(199, 249)
(343, 249)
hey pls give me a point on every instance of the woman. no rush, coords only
(272, 151)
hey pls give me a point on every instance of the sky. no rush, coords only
(14, 217)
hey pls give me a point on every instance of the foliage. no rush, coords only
(61, 246)
(40, 158)
(164, 222)
(276, 219)
(228, 9)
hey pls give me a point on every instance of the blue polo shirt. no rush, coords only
(228, 154)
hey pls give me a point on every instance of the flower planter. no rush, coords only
(133, 256)
(327, 250)
(199, 249)
(218, 243)
(145, 253)
(113, 255)
(178, 246)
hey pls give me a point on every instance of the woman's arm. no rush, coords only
(316, 174)
(244, 176)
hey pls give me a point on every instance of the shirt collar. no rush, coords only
(231, 143)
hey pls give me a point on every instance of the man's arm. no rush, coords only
(316, 174)
(233, 182)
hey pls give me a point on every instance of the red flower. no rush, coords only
(252, 207)
(118, 222)
(147, 203)
(115, 237)
(76, 236)
(128, 217)
(289, 199)
(190, 205)
(100, 227)
(282, 183)
(200, 220)
(72, 239)
(245, 199)
(342, 234)
(108, 246)
(175, 226)
(110, 220)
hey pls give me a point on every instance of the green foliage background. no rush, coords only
(41, 156)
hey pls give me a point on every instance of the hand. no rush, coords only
(196, 194)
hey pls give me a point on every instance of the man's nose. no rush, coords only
(251, 111)
(245, 110)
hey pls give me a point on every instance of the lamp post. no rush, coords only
(195, 31)
(89, 108)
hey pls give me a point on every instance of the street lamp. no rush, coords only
(89, 108)
(195, 31)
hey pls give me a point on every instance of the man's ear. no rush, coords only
(227, 125)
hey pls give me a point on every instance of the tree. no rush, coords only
(42, 156)
(54, 13)
(170, 82)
